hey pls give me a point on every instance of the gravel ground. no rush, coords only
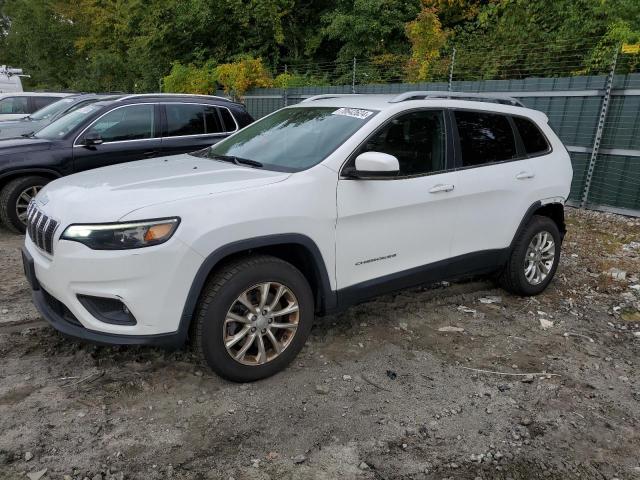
(379, 392)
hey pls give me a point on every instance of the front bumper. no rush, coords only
(153, 283)
(66, 324)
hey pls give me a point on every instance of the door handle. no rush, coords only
(525, 175)
(441, 188)
(150, 154)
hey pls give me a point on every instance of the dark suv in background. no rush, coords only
(122, 129)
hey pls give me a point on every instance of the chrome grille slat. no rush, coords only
(41, 228)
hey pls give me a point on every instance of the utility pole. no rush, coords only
(453, 62)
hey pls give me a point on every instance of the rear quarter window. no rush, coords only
(534, 141)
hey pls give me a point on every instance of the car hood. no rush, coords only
(107, 194)
(9, 146)
(15, 129)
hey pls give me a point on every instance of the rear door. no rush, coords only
(128, 132)
(388, 227)
(191, 126)
(494, 181)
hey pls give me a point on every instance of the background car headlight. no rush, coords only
(121, 236)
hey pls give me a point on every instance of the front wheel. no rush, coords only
(15, 198)
(534, 258)
(253, 318)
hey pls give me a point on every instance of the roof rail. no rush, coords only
(147, 95)
(477, 97)
(328, 95)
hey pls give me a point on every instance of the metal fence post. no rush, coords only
(353, 78)
(285, 93)
(600, 130)
(453, 62)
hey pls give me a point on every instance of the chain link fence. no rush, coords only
(589, 91)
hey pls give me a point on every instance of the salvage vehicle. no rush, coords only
(107, 132)
(49, 114)
(311, 209)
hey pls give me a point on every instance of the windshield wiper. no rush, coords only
(28, 135)
(237, 160)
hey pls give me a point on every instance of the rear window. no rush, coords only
(191, 119)
(533, 139)
(229, 124)
(485, 138)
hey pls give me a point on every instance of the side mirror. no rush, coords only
(92, 139)
(375, 164)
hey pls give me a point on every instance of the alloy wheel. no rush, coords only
(22, 203)
(539, 258)
(261, 323)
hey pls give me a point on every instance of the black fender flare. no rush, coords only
(328, 296)
(527, 217)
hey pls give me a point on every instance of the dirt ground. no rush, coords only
(379, 392)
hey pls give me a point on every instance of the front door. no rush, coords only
(128, 133)
(392, 227)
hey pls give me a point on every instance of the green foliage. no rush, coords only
(196, 45)
(238, 77)
(427, 39)
(190, 79)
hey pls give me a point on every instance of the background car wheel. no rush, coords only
(534, 258)
(253, 318)
(15, 198)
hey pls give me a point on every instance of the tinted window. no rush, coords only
(484, 138)
(532, 138)
(14, 105)
(229, 124)
(416, 139)
(189, 119)
(212, 120)
(133, 122)
(41, 102)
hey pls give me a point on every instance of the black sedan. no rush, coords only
(107, 132)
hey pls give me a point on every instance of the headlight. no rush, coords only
(121, 236)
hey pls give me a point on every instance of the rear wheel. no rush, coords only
(253, 318)
(534, 258)
(15, 198)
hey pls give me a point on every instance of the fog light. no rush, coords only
(107, 310)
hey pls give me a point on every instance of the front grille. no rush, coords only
(40, 228)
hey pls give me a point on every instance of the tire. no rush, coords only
(10, 195)
(221, 295)
(514, 276)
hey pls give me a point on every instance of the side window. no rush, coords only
(229, 124)
(41, 102)
(14, 105)
(533, 139)
(184, 119)
(416, 139)
(134, 122)
(484, 138)
(212, 120)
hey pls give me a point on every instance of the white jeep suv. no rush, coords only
(309, 210)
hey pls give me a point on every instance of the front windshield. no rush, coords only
(52, 109)
(64, 125)
(293, 139)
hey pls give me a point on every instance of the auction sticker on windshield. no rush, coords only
(353, 112)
